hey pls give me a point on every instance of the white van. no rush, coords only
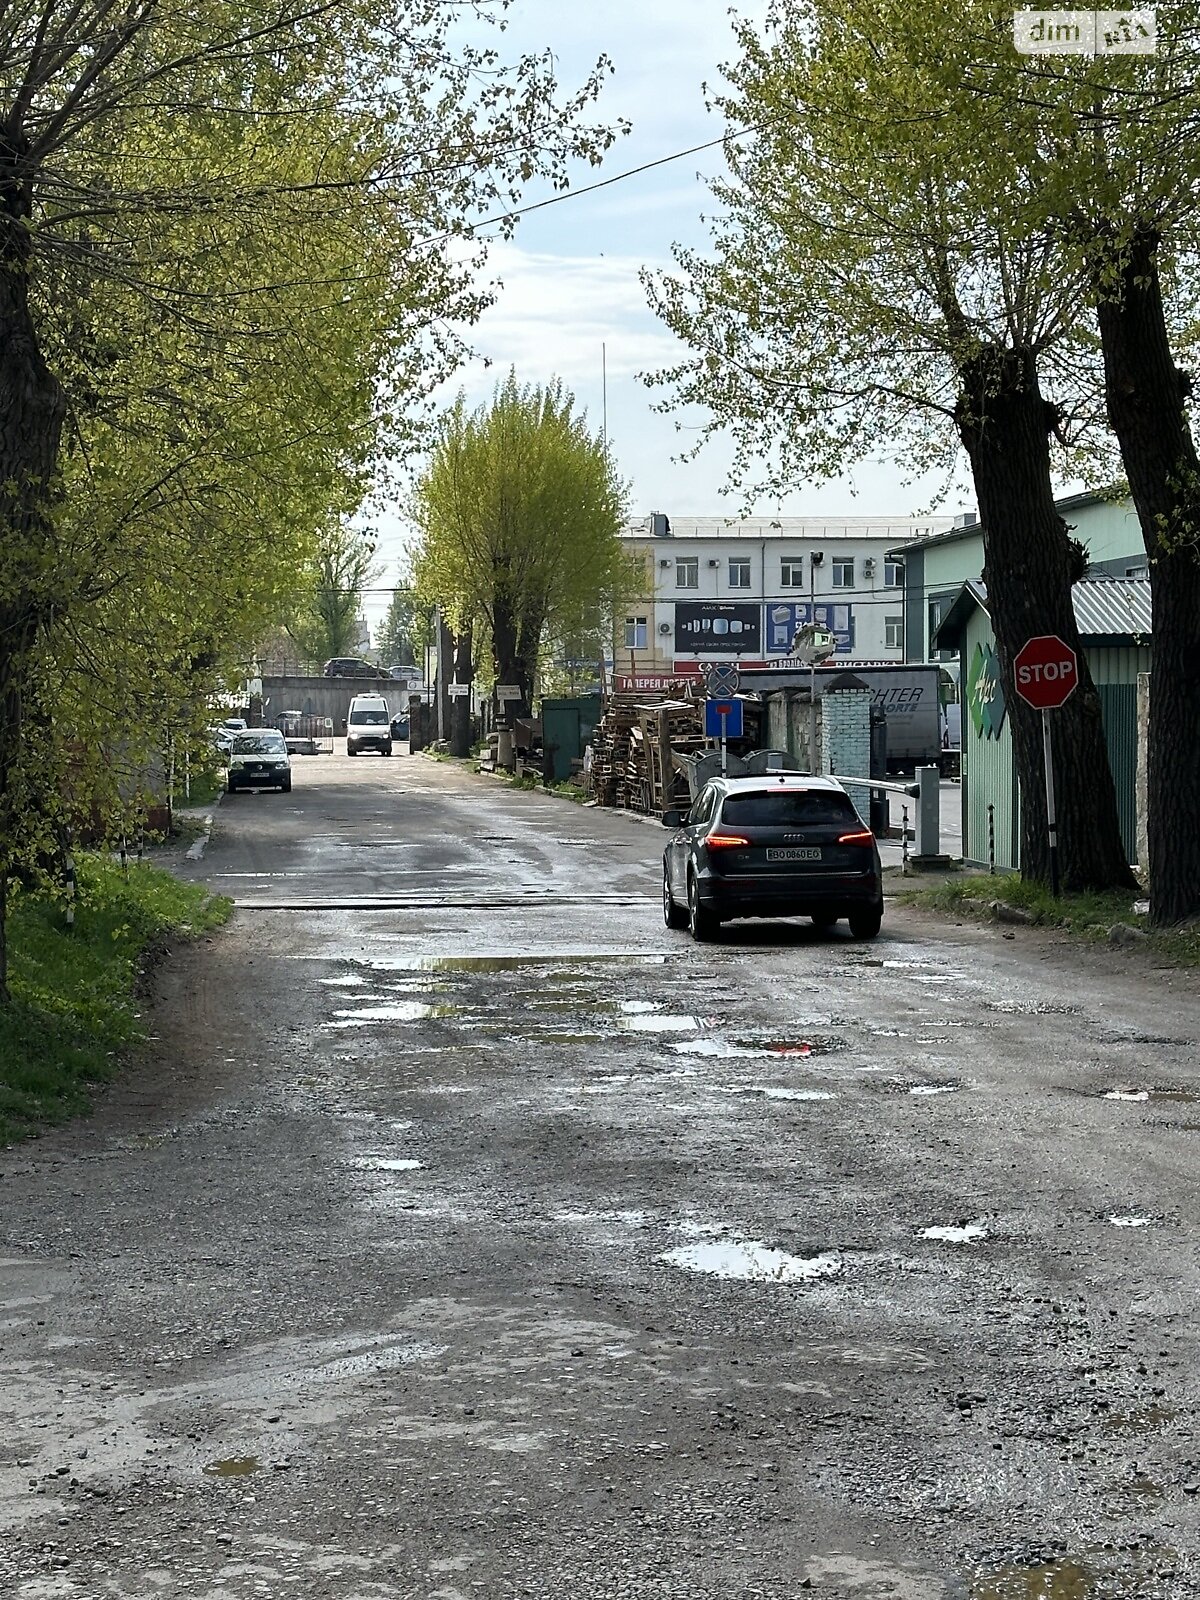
(369, 725)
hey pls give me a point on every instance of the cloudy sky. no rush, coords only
(570, 277)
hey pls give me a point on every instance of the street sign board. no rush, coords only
(508, 691)
(1046, 672)
(457, 690)
(723, 719)
(722, 679)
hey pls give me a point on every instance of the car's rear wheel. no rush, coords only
(865, 924)
(702, 922)
(824, 920)
(674, 916)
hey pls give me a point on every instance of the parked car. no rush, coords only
(369, 725)
(353, 667)
(782, 845)
(259, 759)
(224, 734)
(400, 725)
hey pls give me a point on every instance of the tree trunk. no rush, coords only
(460, 708)
(510, 661)
(1030, 564)
(31, 415)
(1147, 398)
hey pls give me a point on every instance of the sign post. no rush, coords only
(1046, 672)
(722, 680)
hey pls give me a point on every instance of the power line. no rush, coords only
(588, 188)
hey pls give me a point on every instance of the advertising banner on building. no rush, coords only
(718, 627)
(784, 617)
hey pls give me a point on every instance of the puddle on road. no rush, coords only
(510, 963)
(1144, 1419)
(388, 1164)
(660, 1022)
(770, 1092)
(965, 1233)
(717, 1047)
(1130, 1222)
(1181, 1097)
(233, 1467)
(1136, 1495)
(348, 980)
(934, 1088)
(1057, 1580)
(396, 1011)
(638, 1008)
(749, 1260)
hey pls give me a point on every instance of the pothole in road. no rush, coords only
(1144, 1419)
(398, 1011)
(1137, 1494)
(389, 1164)
(233, 1467)
(660, 1022)
(925, 1089)
(771, 1092)
(1130, 1220)
(512, 963)
(1181, 1097)
(960, 1233)
(1056, 1580)
(749, 1260)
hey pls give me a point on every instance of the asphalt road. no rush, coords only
(467, 1234)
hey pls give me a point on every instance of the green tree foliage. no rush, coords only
(233, 241)
(519, 509)
(408, 626)
(1102, 157)
(869, 289)
(325, 622)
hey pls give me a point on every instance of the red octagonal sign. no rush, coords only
(1046, 671)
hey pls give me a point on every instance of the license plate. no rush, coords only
(796, 854)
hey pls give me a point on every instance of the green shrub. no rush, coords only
(74, 1009)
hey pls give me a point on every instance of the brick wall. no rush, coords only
(845, 736)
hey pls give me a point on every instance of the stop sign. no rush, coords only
(1046, 671)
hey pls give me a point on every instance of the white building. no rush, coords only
(738, 590)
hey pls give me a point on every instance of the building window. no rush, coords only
(843, 572)
(1141, 571)
(739, 572)
(636, 631)
(893, 633)
(687, 572)
(791, 572)
(893, 574)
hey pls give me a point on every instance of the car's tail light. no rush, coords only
(862, 836)
(725, 841)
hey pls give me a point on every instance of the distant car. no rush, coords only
(353, 667)
(369, 725)
(259, 759)
(783, 845)
(400, 725)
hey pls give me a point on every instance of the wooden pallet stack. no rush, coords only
(632, 747)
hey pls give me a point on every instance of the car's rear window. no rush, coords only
(783, 808)
(259, 744)
(373, 718)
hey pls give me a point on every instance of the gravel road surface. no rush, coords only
(467, 1234)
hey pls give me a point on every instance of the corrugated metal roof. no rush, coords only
(1107, 606)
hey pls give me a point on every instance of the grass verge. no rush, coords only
(74, 1010)
(1087, 916)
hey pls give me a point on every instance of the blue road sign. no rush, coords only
(723, 717)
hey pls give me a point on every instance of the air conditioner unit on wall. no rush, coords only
(714, 562)
(869, 567)
(664, 562)
(664, 627)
